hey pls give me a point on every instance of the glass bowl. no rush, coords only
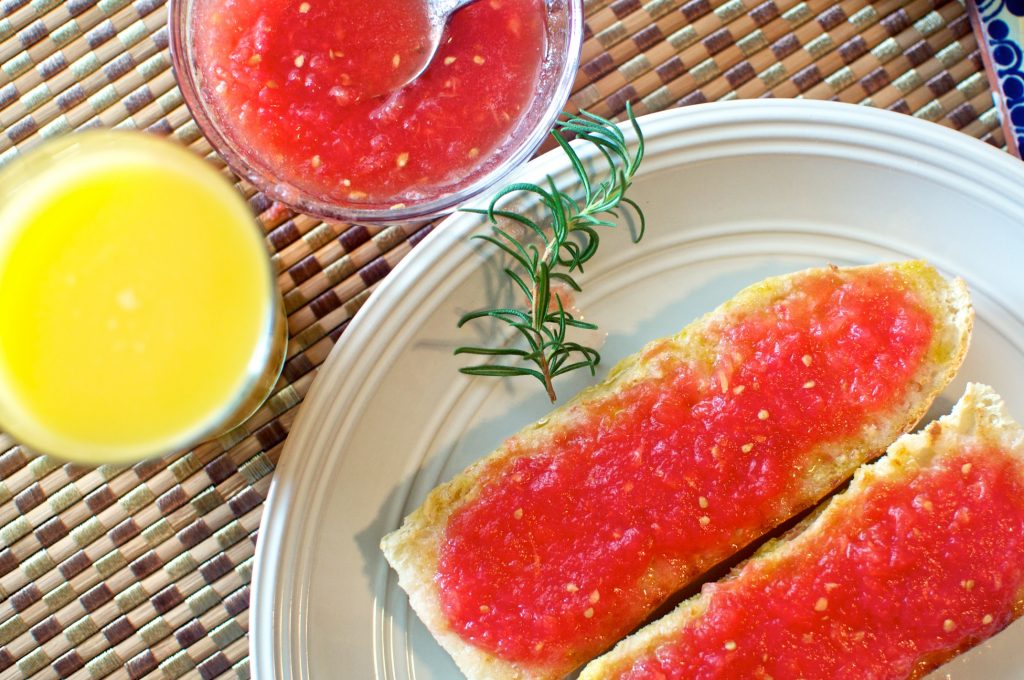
(563, 28)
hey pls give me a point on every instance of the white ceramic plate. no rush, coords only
(733, 193)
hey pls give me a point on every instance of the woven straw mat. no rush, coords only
(144, 571)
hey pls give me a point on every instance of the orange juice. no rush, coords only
(137, 303)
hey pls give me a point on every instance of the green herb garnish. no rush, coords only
(557, 253)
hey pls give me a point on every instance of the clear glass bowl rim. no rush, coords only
(179, 17)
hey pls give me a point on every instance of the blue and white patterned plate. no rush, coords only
(1000, 28)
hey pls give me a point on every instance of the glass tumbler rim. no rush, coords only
(51, 156)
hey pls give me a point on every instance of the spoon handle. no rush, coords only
(440, 10)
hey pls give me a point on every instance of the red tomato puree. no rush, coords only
(293, 81)
(545, 564)
(914, 572)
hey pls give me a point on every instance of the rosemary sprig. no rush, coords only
(556, 253)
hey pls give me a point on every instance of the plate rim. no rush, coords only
(276, 604)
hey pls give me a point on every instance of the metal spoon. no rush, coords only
(437, 14)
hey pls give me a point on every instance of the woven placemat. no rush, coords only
(144, 571)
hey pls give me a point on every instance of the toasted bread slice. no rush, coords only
(544, 553)
(873, 584)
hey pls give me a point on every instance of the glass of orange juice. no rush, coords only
(139, 312)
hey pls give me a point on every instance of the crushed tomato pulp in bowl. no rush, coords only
(299, 96)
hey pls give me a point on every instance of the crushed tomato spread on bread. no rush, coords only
(551, 560)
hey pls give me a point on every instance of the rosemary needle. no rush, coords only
(555, 252)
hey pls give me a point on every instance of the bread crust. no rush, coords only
(413, 549)
(979, 417)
